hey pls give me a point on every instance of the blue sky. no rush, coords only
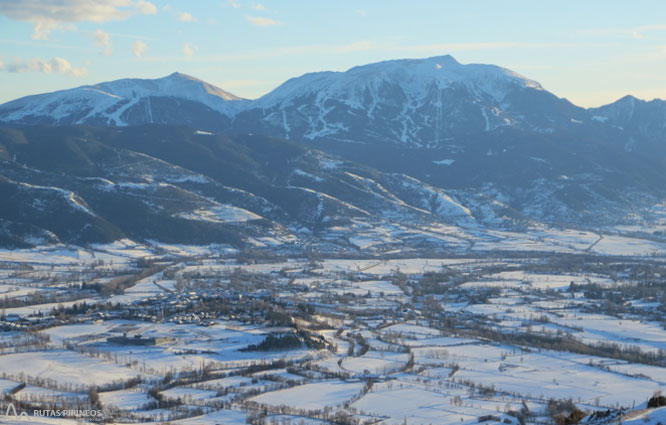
(591, 52)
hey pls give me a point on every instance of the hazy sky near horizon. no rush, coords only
(591, 52)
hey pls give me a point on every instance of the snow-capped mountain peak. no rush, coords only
(120, 102)
(445, 69)
(415, 76)
(176, 84)
(416, 102)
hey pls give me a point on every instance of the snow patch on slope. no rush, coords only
(437, 201)
(220, 214)
(70, 197)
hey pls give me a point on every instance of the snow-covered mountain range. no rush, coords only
(409, 102)
(427, 140)
(416, 102)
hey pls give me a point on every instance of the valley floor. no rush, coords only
(202, 335)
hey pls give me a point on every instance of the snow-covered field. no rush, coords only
(315, 396)
(64, 368)
(430, 339)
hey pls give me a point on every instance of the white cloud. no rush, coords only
(42, 29)
(186, 17)
(55, 65)
(139, 48)
(47, 15)
(234, 4)
(190, 49)
(103, 40)
(360, 12)
(146, 7)
(258, 6)
(262, 22)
